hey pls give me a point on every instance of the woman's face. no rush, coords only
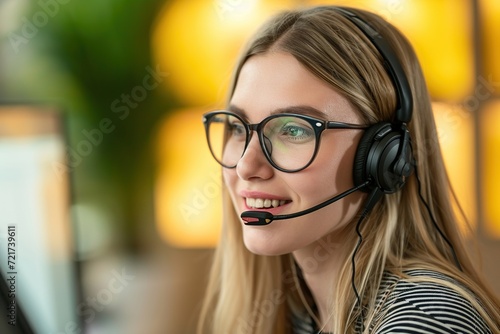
(273, 81)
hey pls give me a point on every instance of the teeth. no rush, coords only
(259, 203)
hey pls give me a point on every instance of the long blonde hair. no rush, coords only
(249, 293)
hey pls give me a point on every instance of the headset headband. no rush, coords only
(404, 106)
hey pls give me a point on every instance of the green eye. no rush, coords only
(296, 133)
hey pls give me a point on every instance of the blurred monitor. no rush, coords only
(39, 289)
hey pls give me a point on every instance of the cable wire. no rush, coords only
(373, 198)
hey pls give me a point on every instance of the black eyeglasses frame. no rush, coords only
(317, 124)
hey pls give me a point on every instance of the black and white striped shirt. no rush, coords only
(417, 307)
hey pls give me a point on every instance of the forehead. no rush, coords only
(277, 80)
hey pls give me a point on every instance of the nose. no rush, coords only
(253, 164)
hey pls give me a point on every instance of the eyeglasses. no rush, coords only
(290, 142)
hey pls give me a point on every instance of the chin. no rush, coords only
(260, 241)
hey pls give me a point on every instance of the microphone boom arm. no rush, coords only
(259, 218)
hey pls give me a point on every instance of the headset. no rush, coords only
(384, 156)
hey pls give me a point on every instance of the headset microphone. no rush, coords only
(264, 217)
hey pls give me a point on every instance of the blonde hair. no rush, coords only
(249, 293)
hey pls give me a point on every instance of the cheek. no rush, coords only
(230, 179)
(330, 176)
(333, 167)
(225, 176)
(344, 164)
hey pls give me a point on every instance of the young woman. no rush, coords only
(338, 213)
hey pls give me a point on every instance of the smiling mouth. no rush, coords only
(264, 203)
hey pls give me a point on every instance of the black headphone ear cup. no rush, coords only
(384, 158)
(360, 170)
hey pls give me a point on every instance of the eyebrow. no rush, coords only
(300, 109)
(237, 110)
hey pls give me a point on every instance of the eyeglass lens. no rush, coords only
(289, 141)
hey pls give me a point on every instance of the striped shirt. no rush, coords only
(416, 307)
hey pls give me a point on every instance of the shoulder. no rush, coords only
(425, 302)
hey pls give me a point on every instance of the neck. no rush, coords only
(320, 263)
